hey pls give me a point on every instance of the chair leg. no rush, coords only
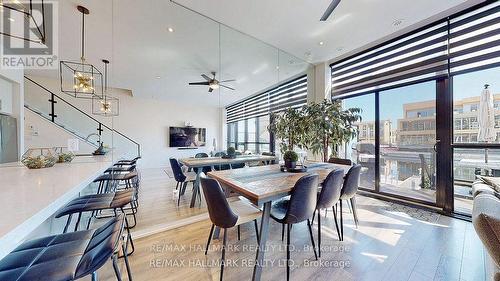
(94, 276)
(257, 231)
(341, 223)
(336, 223)
(239, 233)
(288, 252)
(209, 238)
(354, 211)
(180, 193)
(282, 232)
(314, 215)
(319, 234)
(115, 267)
(177, 186)
(223, 260)
(312, 238)
(127, 265)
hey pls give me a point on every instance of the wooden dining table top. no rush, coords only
(215, 161)
(267, 183)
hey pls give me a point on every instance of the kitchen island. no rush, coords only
(29, 197)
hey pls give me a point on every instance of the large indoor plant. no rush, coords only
(329, 125)
(290, 128)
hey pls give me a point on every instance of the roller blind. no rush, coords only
(475, 39)
(463, 42)
(293, 94)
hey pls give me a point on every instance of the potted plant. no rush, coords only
(231, 152)
(291, 159)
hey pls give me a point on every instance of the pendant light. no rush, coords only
(105, 105)
(86, 79)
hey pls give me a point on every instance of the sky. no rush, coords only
(391, 102)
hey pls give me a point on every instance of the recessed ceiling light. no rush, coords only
(170, 29)
(158, 77)
(397, 22)
(277, 67)
(11, 19)
(321, 43)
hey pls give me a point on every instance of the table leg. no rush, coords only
(196, 187)
(264, 232)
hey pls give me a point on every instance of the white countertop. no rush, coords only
(29, 197)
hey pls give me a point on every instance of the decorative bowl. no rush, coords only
(37, 158)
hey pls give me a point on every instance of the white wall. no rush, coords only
(6, 96)
(13, 81)
(146, 121)
(40, 132)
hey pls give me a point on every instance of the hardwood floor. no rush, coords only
(391, 243)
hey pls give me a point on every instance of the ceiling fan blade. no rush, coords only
(329, 10)
(199, 83)
(224, 86)
(206, 77)
(210, 90)
(230, 80)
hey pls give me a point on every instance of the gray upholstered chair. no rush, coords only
(181, 178)
(486, 221)
(349, 189)
(299, 208)
(226, 214)
(328, 197)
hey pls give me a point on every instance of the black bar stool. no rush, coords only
(67, 256)
(96, 203)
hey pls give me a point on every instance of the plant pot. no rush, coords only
(290, 164)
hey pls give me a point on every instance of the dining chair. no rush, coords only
(239, 165)
(221, 167)
(202, 155)
(299, 208)
(226, 214)
(182, 178)
(328, 197)
(349, 189)
(340, 161)
(268, 154)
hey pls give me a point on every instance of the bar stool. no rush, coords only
(67, 256)
(96, 203)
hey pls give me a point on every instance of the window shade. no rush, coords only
(475, 39)
(466, 42)
(290, 94)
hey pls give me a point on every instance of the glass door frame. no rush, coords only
(444, 154)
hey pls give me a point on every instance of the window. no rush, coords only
(250, 116)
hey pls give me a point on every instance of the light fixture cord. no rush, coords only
(83, 36)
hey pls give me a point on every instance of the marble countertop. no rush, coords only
(29, 197)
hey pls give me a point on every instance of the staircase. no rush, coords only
(65, 115)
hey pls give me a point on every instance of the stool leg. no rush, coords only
(127, 265)
(115, 267)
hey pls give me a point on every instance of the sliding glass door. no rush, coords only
(407, 136)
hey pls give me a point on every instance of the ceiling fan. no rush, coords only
(329, 10)
(213, 83)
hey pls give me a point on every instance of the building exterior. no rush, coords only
(366, 132)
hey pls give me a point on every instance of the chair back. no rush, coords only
(331, 188)
(303, 199)
(201, 155)
(176, 169)
(340, 161)
(351, 182)
(218, 208)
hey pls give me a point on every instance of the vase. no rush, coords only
(290, 164)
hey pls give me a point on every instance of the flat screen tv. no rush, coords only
(187, 137)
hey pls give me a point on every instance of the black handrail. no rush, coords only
(76, 108)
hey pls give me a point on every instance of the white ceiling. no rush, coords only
(155, 63)
(294, 26)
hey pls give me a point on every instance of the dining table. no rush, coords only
(264, 184)
(199, 163)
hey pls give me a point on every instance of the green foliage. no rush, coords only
(231, 151)
(291, 156)
(290, 127)
(316, 126)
